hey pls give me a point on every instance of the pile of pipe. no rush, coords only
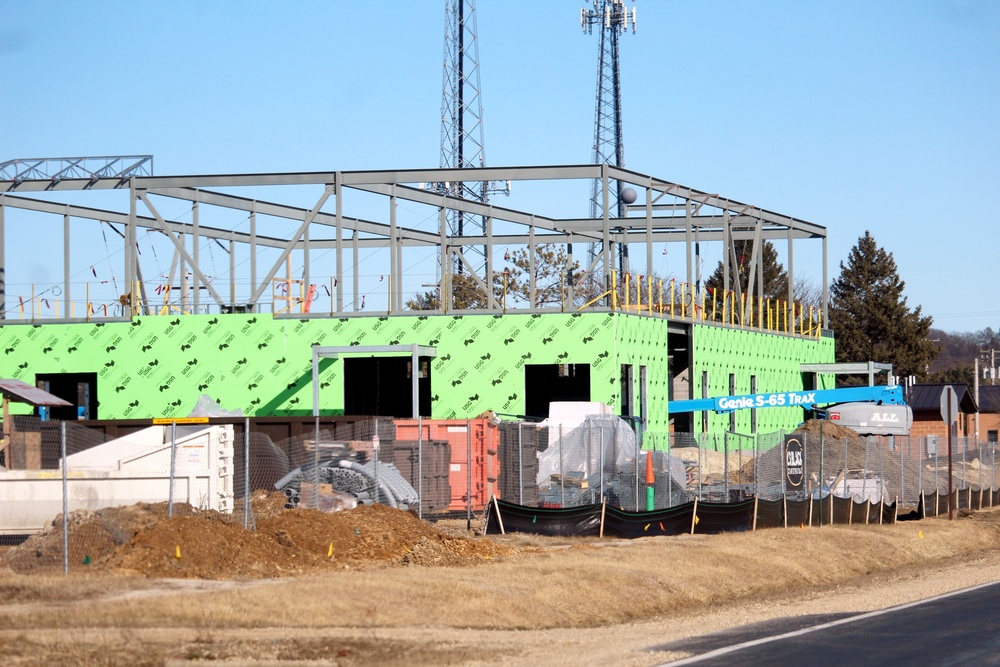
(371, 482)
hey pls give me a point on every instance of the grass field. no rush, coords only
(509, 609)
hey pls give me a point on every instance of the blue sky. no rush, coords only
(855, 115)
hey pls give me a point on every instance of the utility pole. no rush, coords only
(975, 392)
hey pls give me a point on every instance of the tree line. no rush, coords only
(869, 312)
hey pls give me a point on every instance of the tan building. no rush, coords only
(989, 414)
(925, 401)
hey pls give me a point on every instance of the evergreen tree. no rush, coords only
(775, 285)
(870, 317)
(955, 375)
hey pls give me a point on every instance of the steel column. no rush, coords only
(339, 194)
(66, 268)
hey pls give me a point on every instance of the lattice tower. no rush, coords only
(612, 19)
(462, 137)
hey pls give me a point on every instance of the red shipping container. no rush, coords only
(477, 437)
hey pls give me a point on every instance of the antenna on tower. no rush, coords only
(462, 136)
(612, 19)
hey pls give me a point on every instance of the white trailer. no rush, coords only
(126, 471)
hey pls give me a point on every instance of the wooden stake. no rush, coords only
(755, 498)
(496, 508)
(8, 428)
(694, 515)
(604, 504)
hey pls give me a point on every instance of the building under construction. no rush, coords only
(362, 266)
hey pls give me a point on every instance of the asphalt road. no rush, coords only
(960, 628)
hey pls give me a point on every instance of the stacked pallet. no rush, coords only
(384, 427)
(520, 442)
(426, 466)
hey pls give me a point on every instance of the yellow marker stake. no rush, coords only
(329, 552)
(178, 552)
(920, 534)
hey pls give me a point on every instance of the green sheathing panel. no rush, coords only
(481, 358)
(642, 341)
(774, 359)
(159, 366)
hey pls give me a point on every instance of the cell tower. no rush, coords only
(612, 19)
(462, 121)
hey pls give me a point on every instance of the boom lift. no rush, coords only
(874, 410)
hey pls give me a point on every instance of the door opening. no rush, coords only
(546, 383)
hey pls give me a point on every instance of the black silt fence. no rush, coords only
(671, 521)
(690, 518)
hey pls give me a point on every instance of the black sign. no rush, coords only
(794, 461)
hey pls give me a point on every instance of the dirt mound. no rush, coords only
(142, 540)
(92, 536)
(829, 429)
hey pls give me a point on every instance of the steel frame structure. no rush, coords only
(688, 217)
(55, 169)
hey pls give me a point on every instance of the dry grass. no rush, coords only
(56, 589)
(512, 610)
(565, 584)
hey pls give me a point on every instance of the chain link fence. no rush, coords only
(83, 489)
(79, 492)
(733, 467)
